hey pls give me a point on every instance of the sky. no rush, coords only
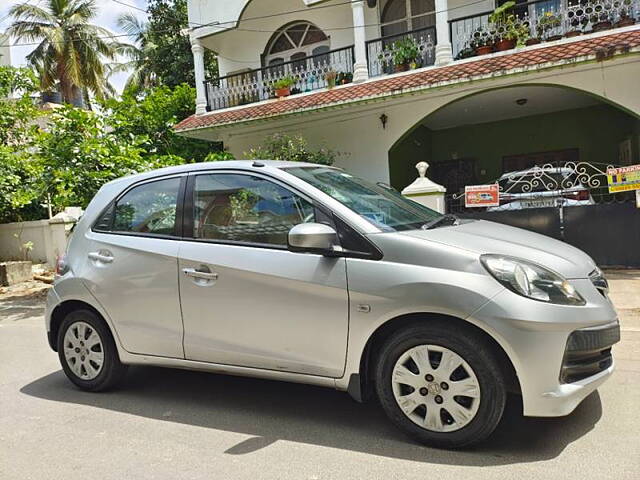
(107, 17)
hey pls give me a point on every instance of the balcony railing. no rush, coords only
(257, 84)
(545, 20)
(380, 53)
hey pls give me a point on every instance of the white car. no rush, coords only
(541, 187)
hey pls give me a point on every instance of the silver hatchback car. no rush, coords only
(305, 273)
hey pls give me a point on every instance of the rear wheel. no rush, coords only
(88, 353)
(445, 391)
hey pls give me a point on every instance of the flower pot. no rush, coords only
(283, 92)
(532, 41)
(573, 33)
(553, 38)
(484, 50)
(401, 67)
(331, 83)
(625, 22)
(505, 44)
(600, 26)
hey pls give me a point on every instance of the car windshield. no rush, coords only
(382, 206)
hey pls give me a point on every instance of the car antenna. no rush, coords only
(257, 164)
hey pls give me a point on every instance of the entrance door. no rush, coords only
(246, 300)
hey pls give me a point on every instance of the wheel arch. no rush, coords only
(361, 385)
(62, 310)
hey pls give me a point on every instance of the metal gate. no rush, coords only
(569, 202)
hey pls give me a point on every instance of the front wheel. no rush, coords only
(440, 385)
(88, 352)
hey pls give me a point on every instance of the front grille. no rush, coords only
(588, 352)
(600, 282)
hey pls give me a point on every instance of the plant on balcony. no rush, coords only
(330, 77)
(626, 9)
(282, 86)
(405, 53)
(547, 23)
(482, 41)
(343, 78)
(509, 30)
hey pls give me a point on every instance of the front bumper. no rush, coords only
(556, 367)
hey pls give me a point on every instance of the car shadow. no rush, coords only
(270, 411)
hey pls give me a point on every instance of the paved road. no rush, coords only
(170, 424)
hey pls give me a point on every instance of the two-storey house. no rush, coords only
(473, 93)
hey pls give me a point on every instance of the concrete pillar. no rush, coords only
(443, 42)
(426, 192)
(198, 64)
(360, 67)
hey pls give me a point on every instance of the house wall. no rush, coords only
(5, 50)
(488, 143)
(357, 129)
(241, 48)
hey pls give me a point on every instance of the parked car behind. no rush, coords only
(306, 273)
(541, 187)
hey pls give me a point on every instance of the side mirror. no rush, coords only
(313, 238)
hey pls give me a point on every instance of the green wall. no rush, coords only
(596, 131)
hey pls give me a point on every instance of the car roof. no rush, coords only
(255, 165)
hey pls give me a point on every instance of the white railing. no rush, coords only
(545, 20)
(256, 85)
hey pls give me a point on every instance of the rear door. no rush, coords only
(131, 266)
(248, 301)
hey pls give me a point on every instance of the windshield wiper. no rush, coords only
(448, 219)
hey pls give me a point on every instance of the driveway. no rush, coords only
(188, 425)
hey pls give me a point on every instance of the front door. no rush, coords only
(246, 300)
(131, 267)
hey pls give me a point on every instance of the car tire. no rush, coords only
(473, 418)
(88, 353)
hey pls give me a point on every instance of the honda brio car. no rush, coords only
(306, 273)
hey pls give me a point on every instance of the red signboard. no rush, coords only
(481, 195)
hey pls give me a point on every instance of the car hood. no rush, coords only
(481, 236)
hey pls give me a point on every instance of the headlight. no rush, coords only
(531, 280)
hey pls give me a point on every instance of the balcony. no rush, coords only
(309, 73)
(538, 21)
(382, 60)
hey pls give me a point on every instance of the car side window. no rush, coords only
(246, 208)
(148, 208)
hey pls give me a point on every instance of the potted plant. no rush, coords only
(625, 14)
(504, 25)
(282, 87)
(330, 77)
(547, 24)
(404, 53)
(600, 20)
(482, 42)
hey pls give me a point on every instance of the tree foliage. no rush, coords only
(153, 116)
(281, 146)
(171, 58)
(78, 154)
(72, 51)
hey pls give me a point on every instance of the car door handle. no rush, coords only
(100, 257)
(192, 272)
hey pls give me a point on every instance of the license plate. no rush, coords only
(538, 203)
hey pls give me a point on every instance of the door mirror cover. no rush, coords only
(313, 238)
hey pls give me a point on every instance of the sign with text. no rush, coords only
(482, 195)
(623, 179)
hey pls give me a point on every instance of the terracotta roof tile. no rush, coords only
(390, 85)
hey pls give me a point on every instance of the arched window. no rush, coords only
(399, 16)
(295, 42)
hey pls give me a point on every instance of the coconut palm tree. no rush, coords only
(72, 52)
(142, 76)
